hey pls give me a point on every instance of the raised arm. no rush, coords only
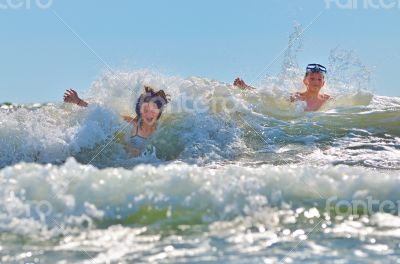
(241, 84)
(71, 96)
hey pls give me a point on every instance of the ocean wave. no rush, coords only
(207, 121)
(71, 197)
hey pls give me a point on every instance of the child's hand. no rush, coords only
(70, 96)
(241, 84)
(296, 97)
(237, 81)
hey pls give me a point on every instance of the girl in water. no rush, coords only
(149, 108)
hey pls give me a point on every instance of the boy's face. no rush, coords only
(314, 81)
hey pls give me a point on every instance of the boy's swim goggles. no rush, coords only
(315, 68)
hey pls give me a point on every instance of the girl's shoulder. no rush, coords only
(129, 119)
(132, 121)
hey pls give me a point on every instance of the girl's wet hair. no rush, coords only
(159, 98)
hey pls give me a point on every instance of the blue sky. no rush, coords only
(41, 57)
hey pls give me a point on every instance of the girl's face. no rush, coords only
(314, 81)
(149, 113)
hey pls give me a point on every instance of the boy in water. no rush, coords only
(314, 80)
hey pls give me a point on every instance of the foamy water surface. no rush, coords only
(231, 176)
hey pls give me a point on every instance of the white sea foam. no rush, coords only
(74, 195)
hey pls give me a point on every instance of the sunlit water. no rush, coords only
(231, 176)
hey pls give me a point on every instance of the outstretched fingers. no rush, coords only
(236, 81)
(70, 96)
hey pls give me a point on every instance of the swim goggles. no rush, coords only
(315, 68)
